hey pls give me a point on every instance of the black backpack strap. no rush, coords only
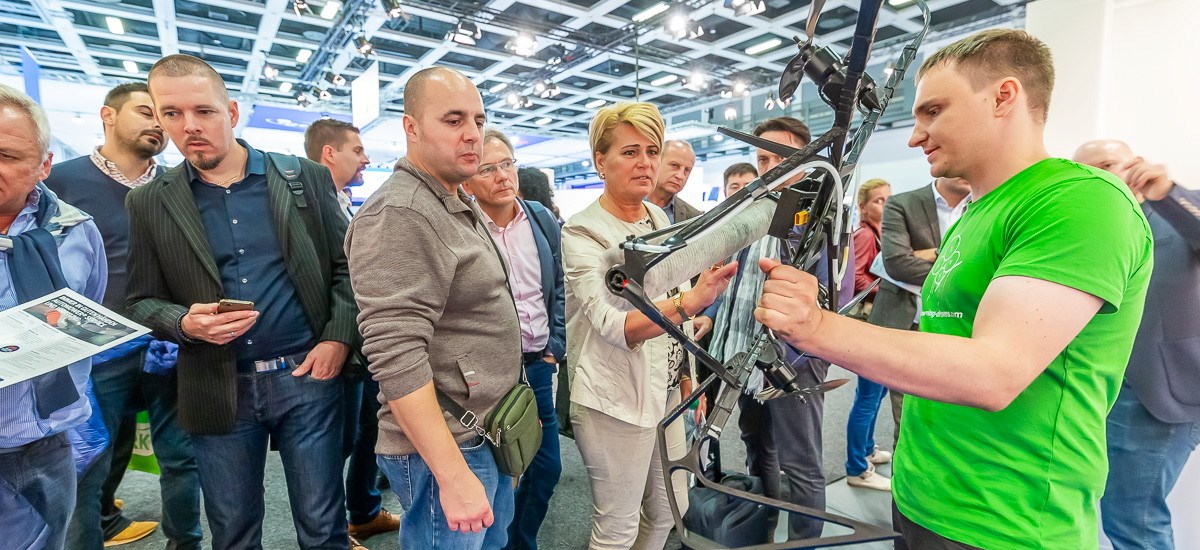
(288, 167)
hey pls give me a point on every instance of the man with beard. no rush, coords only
(98, 184)
(264, 230)
(338, 147)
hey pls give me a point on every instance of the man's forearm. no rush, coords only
(943, 368)
(420, 416)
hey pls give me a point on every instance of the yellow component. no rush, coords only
(801, 218)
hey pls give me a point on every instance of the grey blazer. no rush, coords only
(909, 223)
(1164, 369)
(685, 211)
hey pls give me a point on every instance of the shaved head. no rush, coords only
(180, 64)
(1105, 154)
(417, 88)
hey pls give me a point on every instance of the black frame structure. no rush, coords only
(810, 215)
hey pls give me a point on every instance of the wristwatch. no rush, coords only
(678, 301)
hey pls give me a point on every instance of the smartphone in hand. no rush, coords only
(226, 305)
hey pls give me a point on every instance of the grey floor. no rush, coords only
(568, 523)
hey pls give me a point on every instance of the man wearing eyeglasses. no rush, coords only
(527, 236)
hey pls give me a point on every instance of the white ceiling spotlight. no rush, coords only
(394, 10)
(680, 27)
(363, 45)
(466, 33)
(115, 25)
(518, 101)
(300, 6)
(337, 79)
(546, 90)
(270, 73)
(730, 113)
(650, 12)
(524, 44)
(331, 9)
(746, 8)
(595, 104)
(303, 56)
(285, 87)
(130, 67)
(497, 87)
(543, 121)
(697, 82)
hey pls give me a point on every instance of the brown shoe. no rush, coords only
(355, 545)
(137, 530)
(385, 522)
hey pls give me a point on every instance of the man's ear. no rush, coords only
(1008, 94)
(108, 116)
(410, 127)
(44, 168)
(327, 152)
(233, 113)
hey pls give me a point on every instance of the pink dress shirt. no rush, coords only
(519, 248)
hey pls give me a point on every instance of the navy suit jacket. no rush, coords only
(1164, 368)
(547, 235)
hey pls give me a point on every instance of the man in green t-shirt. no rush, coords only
(1028, 316)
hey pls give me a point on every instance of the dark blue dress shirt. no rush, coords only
(241, 232)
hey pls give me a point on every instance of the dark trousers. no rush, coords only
(784, 435)
(303, 417)
(536, 486)
(37, 489)
(360, 432)
(919, 538)
(122, 388)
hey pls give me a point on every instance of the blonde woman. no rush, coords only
(627, 372)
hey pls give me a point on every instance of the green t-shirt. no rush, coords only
(1029, 476)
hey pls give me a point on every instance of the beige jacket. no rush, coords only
(627, 383)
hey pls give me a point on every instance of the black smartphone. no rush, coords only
(226, 305)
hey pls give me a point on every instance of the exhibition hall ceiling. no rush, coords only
(543, 67)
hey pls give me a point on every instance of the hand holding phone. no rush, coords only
(226, 305)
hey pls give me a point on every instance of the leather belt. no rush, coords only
(532, 356)
(277, 363)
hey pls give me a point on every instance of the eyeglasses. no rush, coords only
(489, 170)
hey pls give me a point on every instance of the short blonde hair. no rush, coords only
(644, 118)
(988, 56)
(865, 189)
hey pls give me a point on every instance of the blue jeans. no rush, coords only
(537, 484)
(361, 431)
(1145, 456)
(37, 492)
(303, 417)
(423, 524)
(122, 389)
(860, 426)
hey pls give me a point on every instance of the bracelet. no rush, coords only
(183, 337)
(678, 301)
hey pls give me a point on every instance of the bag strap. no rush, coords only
(467, 418)
(288, 167)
